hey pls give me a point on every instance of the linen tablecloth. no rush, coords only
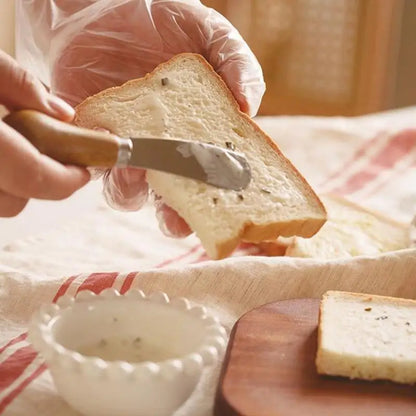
(370, 160)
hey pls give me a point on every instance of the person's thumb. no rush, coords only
(21, 90)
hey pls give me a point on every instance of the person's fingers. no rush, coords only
(128, 47)
(244, 82)
(233, 59)
(170, 222)
(26, 173)
(11, 205)
(126, 189)
(191, 27)
(166, 28)
(96, 173)
(21, 90)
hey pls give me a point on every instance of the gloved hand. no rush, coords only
(24, 172)
(102, 43)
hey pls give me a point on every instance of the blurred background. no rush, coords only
(320, 57)
(330, 57)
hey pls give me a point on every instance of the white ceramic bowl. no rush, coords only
(126, 355)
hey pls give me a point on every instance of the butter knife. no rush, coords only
(74, 145)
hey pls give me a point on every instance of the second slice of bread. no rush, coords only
(351, 230)
(368, 337)
(185, 98)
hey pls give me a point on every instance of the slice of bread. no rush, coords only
(367, 337)
(276, 247)
(351, 230)
(185, 98)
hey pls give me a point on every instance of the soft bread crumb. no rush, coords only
(367, 337)
(350, 231)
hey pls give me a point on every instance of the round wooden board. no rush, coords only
(269, 370)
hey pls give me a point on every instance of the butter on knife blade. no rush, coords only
(204, 162)
(74, 145)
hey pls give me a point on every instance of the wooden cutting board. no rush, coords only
(269, 370)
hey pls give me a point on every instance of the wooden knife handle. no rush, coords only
(64, 142)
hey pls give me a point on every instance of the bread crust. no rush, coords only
(273, 248)
(250, 232)
(370, 298)
(318, 358)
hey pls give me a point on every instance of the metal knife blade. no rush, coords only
(204, 162)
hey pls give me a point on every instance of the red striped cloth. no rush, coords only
(381, 168)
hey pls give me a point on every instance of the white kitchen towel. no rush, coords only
(371, 160)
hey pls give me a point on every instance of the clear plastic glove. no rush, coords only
(24, 172)
(91, 45)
